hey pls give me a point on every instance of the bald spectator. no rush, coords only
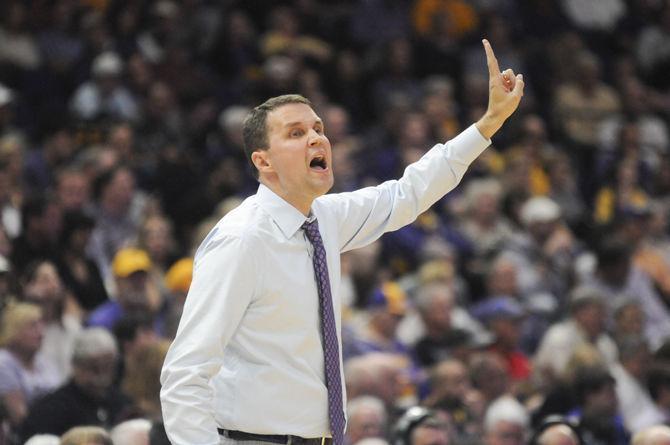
(131, 432)
(558, 434)
(377, 374)
(506, 422)
(366, 419)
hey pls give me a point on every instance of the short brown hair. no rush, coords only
(255, 129)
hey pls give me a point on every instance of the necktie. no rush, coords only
(331, 350)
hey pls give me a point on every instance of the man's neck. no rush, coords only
(303, 204)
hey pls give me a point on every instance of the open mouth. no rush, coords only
(318, 163)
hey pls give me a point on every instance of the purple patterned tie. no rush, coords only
(331, 350)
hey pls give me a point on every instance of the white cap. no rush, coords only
(6, 95)
(107, 64)
(539, 209)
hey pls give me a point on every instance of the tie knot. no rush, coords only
(311, 229)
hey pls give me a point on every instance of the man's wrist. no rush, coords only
(489, 124)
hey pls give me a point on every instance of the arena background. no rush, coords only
(541, 285)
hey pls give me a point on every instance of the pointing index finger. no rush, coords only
(491, 60)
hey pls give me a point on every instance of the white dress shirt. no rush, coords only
(247, 355)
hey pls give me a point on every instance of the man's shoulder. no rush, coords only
(242, 224)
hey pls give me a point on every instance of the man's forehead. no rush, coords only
(292, 114)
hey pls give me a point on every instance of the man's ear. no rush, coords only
(261, 160)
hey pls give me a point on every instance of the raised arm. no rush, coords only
(364, 215)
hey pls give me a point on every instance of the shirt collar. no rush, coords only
(288, 218)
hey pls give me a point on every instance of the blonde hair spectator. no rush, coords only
(86, 435)
(14, 318)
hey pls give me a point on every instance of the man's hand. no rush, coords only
(505, 91)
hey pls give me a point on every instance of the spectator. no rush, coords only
(134, 291)
(586, 324)
(24, 374)
(40, 222)
(89, 397)
(118, 216)
(377, 374)
(506, 422)
(637, 408)
(451, 392)
(131, 432)
(386, 308)
(503, 316)
(597, 408)
(420, 426)
(86, 435)
(80, 273)
(616, 275)
(448, 328)
(366, 418)
(43, 286)
(105, 97)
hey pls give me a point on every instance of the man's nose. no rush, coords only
(315, 138)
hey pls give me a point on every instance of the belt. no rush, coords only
(275, 438)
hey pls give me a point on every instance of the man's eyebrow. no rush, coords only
(295, 123)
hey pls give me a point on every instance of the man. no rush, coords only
(506, 422)
(585, 325)
(248, 359)
(559, 433)
(366, 418)
(89, 398)
(131, 272)
(421, 426)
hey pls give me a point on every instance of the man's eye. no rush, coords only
(296, 133)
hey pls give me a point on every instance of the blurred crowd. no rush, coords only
(530, 305)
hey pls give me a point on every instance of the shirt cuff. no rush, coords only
(469, 144)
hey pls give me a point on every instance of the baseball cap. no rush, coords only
(391, 296)
(498, 307)
(179, 275)
(130, 260)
